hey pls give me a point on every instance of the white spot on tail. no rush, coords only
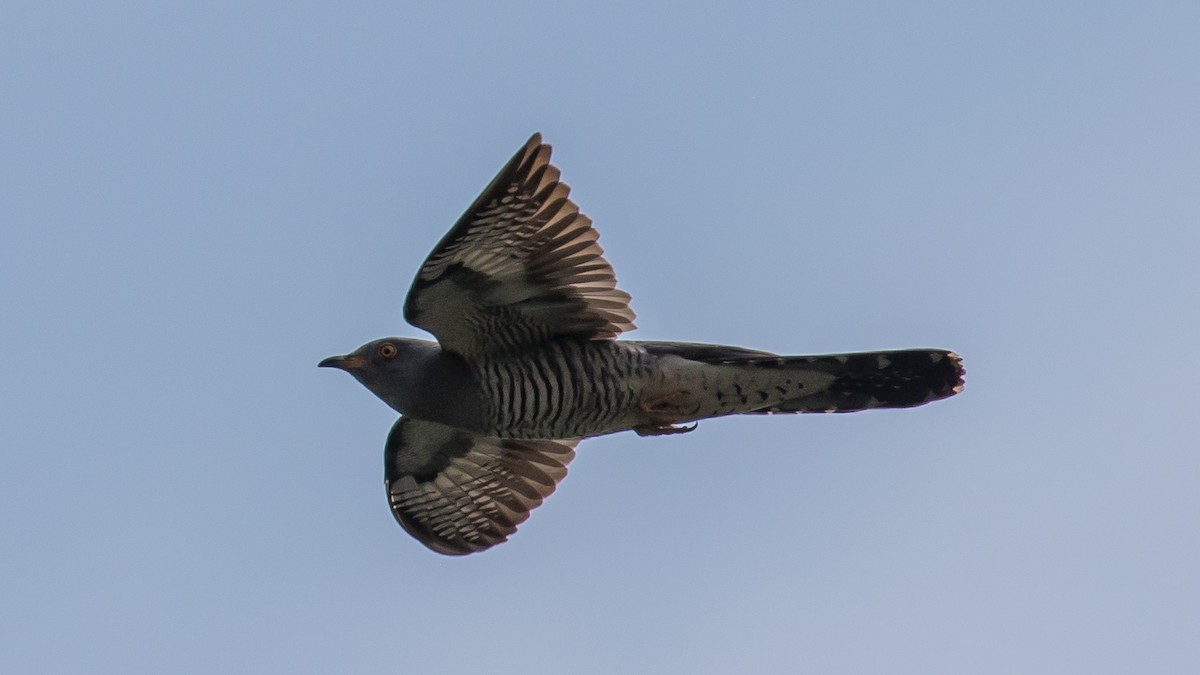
(883, 361)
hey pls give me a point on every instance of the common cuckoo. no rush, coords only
(526, 312)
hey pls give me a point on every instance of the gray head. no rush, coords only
(389, 367)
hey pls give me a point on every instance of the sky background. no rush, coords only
(199, 203)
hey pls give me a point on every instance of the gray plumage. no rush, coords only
(526, 313)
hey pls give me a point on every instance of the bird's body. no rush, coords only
(570, 388)
(526, 312)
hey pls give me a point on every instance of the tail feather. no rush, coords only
(896, 379)
(724, 380)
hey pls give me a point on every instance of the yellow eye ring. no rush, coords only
(387, 350)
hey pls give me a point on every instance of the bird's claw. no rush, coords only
(664, 429)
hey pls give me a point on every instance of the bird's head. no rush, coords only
(386, 366)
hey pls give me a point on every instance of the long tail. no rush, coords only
(898, 379)
(826, 383)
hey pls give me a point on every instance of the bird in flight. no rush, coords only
(526, 312)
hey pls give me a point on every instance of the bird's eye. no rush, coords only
(387, 350)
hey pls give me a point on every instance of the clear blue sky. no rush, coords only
(198, 204)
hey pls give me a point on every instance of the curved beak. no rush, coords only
(347, 362)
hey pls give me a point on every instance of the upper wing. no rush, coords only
(521, 266)
(458, 493)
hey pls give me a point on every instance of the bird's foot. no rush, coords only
(663, 429)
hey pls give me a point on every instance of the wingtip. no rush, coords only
(531, 155)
